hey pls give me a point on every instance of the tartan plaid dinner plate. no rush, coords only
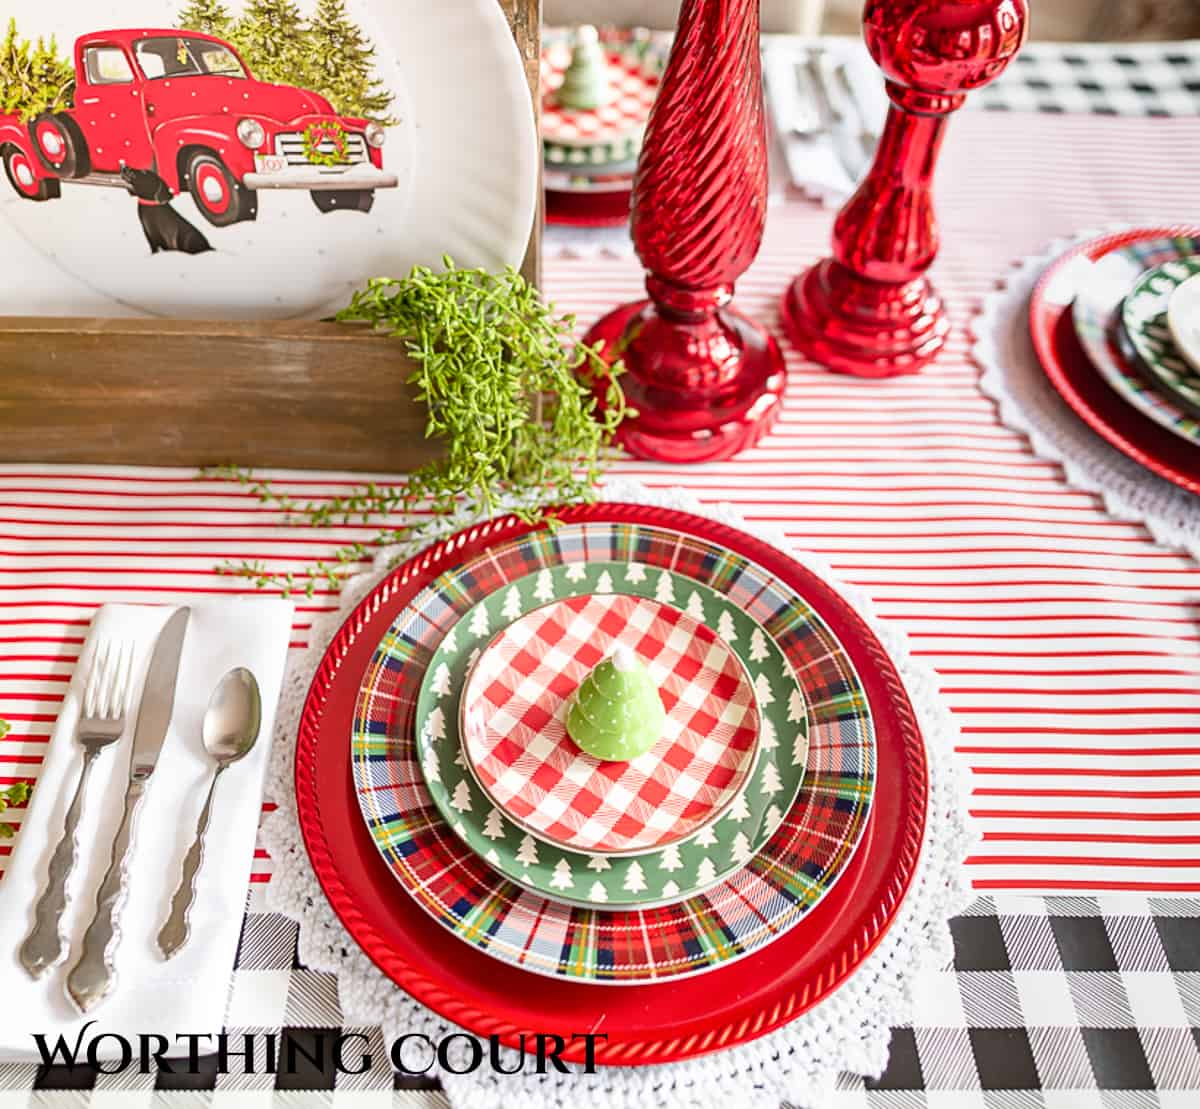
(801, 862)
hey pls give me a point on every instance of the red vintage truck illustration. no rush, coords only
(184, 106)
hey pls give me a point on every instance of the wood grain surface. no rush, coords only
(193, 393)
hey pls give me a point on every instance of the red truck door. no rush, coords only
(110, 108)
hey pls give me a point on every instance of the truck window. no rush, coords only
(107, 65)
(185, 56)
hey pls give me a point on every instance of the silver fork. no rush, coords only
(101, 724)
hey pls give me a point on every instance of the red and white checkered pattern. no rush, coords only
(516, 742)
(634, 87)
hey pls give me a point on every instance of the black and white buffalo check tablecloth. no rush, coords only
(1061, 1003)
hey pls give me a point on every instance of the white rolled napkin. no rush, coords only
(188, 994)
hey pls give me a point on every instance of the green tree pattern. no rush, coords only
(33, 77)
(342, 62)
(329, 55)
(272, 37)
(210, 16)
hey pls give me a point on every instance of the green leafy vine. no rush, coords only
(524, 410)
(16, 794)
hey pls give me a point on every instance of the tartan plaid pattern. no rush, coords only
(800, 862)
(516, 742)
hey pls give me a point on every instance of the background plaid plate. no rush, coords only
(800, 863)
(1144, 314)
(649, 879)
(1094, 321)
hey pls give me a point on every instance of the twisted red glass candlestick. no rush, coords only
(706, 381)
(870, 310)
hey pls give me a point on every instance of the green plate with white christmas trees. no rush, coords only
(679, 870)
(1144, 314)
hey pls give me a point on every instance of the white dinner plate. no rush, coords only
(1183, 319)
(462, 150)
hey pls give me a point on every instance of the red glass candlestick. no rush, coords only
(870, 310)
(705, 380)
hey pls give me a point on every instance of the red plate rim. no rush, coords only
(588, 209)
(1079, 383)
(654, 1023)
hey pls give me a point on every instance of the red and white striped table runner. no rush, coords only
(1066, 641)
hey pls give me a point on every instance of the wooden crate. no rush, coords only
(316, 395)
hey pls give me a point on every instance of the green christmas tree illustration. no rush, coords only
(34, 78)
(210, 16)
(343, 63)
(273, 38)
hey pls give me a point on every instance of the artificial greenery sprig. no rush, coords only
(16, 794)
(509, 391)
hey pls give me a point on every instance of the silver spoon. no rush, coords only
(231, 725)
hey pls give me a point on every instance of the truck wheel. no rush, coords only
(22, 177)
(334, 200)
(221, 199)
(60, 145)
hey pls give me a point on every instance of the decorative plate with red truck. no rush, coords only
(260, 159)
(184, 107)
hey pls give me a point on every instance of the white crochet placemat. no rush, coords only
(850, 1031)
(1029, 403)
(562, 241)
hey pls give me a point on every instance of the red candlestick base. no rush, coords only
(863, 329)
(705, 380)
(705, 389)
(870, 310)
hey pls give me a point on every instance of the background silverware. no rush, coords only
(811, 75)
(101, 724)
(93, 977)
(231, 726)
(808, 95)
(799, 113)
(868, 136)
(829, 107)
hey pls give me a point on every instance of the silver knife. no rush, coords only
(833, 117)
(867, 135)
(93, 977)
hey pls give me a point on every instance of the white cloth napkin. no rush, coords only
(813, 162)
(189, 993)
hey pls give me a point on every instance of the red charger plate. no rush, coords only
(645, 1024)
(1079, 383)
(588, 209)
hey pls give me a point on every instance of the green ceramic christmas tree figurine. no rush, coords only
(585, 84)
(616, 713)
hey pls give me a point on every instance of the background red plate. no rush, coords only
(644, 1024)
(1081, 386)
(588, 209)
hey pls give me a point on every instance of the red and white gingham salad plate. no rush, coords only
(515, 740)
(651, 1023)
